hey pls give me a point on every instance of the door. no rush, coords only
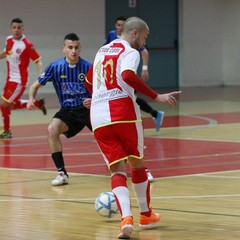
(162, 43)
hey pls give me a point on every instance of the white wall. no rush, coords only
(209, 42)
(231, 44)
(201, 42)
(47, 22)
(209, 35)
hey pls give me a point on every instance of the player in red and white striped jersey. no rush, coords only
(18, 53)
(116, 119)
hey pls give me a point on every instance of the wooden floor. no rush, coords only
(195, 159)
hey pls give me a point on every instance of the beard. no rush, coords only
(137, 43)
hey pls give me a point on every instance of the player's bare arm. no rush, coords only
(39, 66)
(32, 94)
(145, 58)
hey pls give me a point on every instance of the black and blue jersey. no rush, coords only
(68, 81)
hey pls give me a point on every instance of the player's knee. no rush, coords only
(118, 167)
(136, 163)
(52, 131)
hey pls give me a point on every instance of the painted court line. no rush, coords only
(32, 199)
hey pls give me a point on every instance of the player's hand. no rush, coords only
(30, 104)
(87, 103)
(145, 75)
(168, 98)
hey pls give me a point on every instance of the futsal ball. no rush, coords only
(105, 204)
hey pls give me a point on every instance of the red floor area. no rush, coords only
(164, 157)
(201, 119)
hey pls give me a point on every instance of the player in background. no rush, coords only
(144, 106)
(18, 53)
(116, 120)
(67, 76)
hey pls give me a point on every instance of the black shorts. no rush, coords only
(75, 118)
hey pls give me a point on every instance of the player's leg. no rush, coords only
(39, 103)
(20, 104)
(122, 195)
(149, 175)
(157, 115)
(68, 122)
(11, 93)
(55, 128)
(140, 183)
(6, 112)
(144, 106)
(115, 157)
(141, 187)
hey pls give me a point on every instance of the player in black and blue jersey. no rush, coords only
(67, 76)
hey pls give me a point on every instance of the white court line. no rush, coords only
(101, 175)
(209, 176)
(42, 155)
(53, 172)
(148, 160)
(193, 156)
(198, 196)
(19, 199)
(45, 136)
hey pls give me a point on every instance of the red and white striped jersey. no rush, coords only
(18, 55)
(113, 100)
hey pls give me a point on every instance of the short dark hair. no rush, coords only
(121, 18)
(16, 20)
(72, 37)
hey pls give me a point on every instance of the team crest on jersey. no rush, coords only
(18, 50)
(81, 76)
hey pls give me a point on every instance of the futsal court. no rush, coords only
(194, 158)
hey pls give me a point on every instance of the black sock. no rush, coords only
(154, 113)
(144, 106)
(59, 162)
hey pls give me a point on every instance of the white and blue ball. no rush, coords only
(105, 204)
